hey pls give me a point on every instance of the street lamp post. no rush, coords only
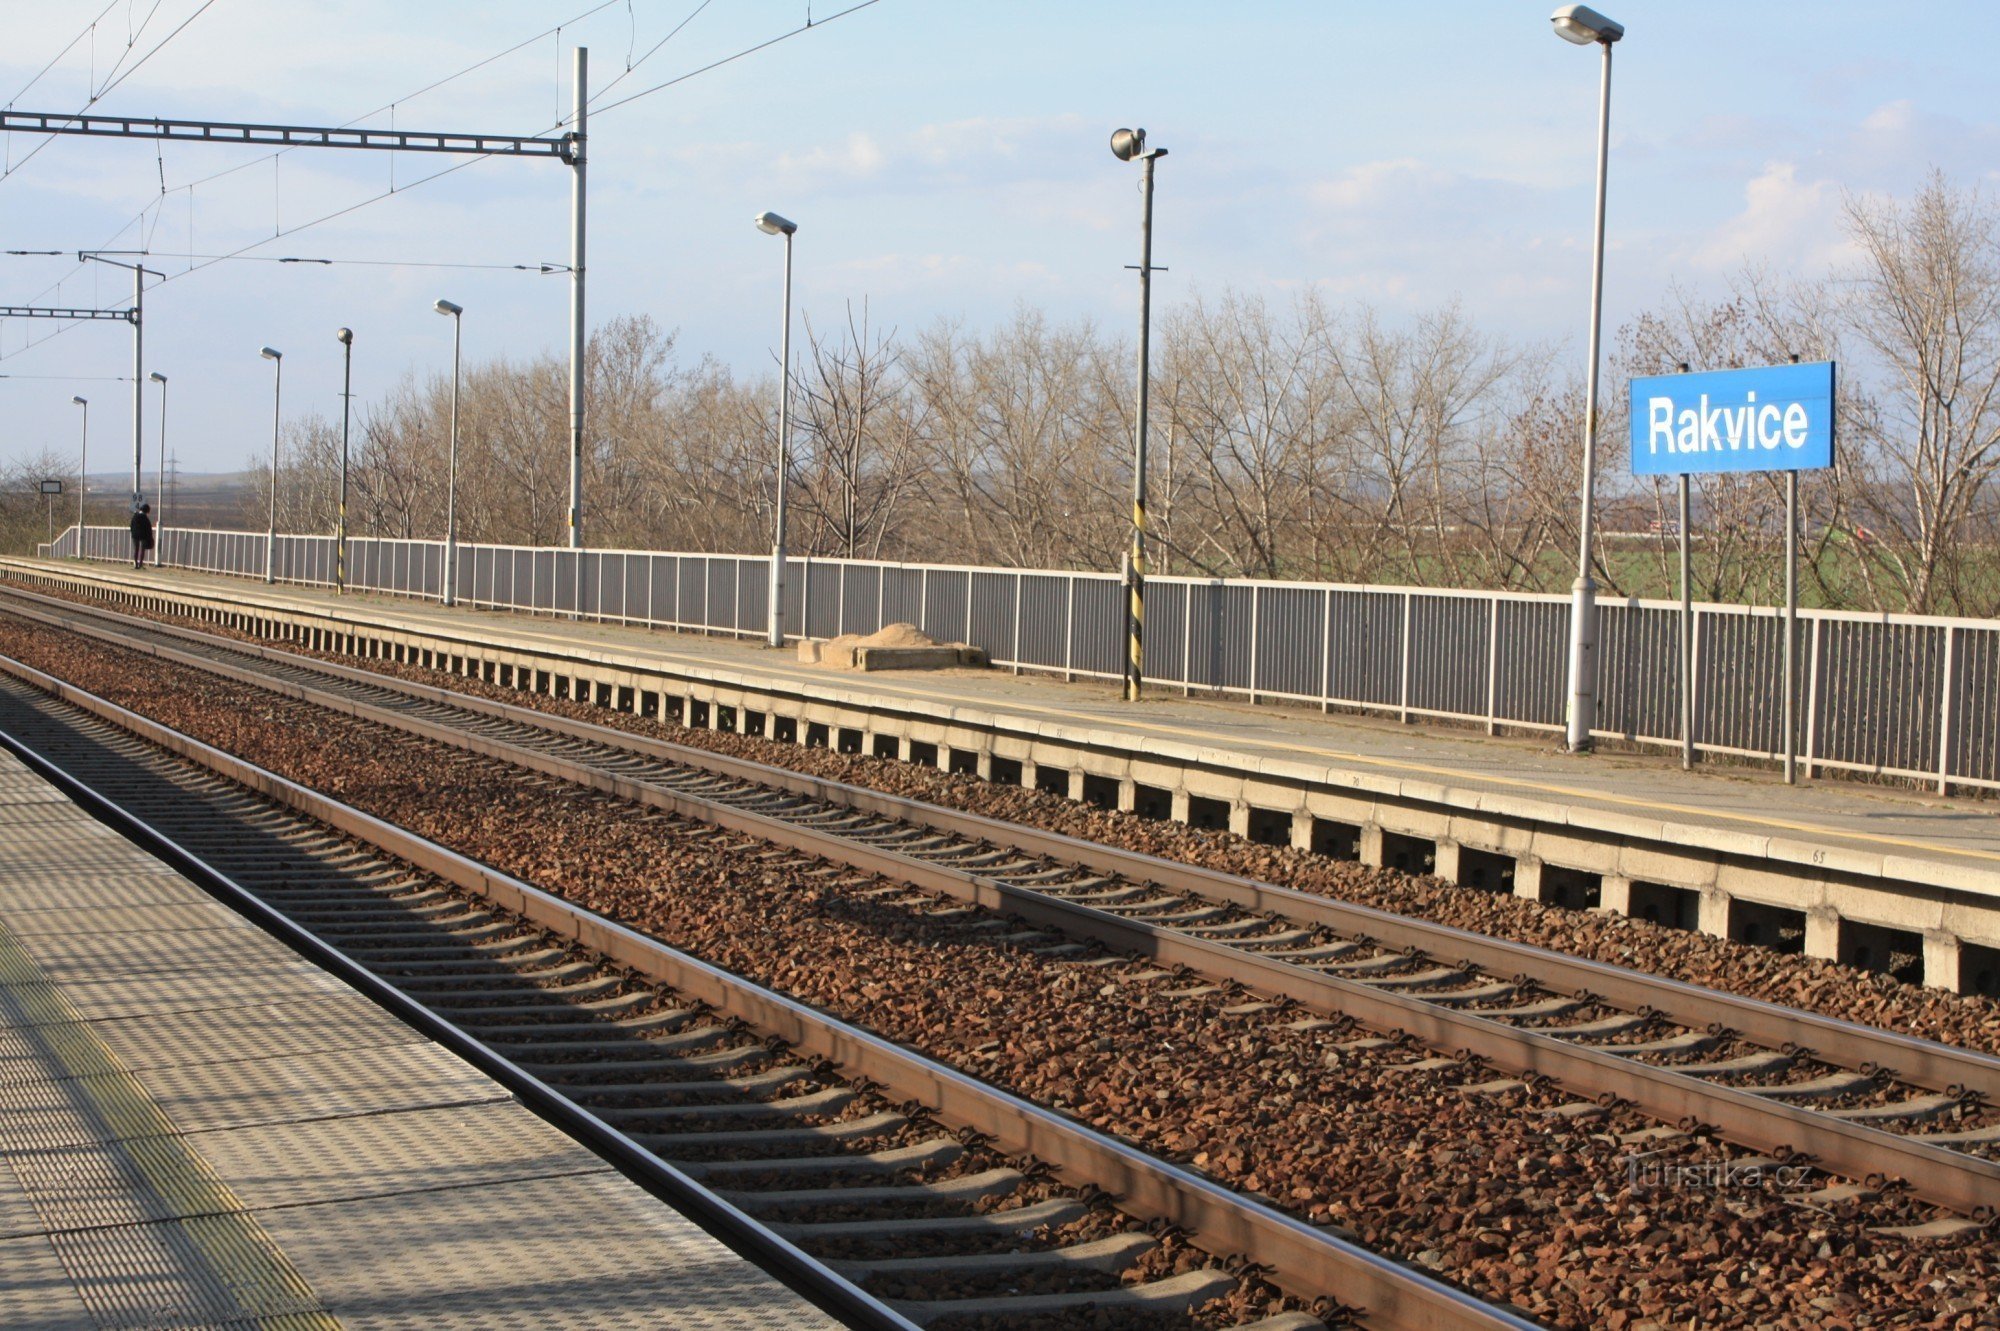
(160, 490)
(1127, 145)
(82, 470)
(346, 336)
(277, 359)
(1585, 26)
(451, 468)
(773, 225)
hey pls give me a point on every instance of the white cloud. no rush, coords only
(1784, 219)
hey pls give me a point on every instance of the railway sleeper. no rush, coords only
(1179, 1294)
(1110, 1254)
(826, 1101)
(892, 1160)
(1054, 1212)
(966, 1190)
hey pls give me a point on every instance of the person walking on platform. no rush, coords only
(142, 535)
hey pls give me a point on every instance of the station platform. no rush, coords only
(1836, 853)
(200, 1129)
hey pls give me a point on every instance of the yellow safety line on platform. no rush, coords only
(266, 1286)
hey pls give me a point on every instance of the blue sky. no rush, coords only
(943, 159)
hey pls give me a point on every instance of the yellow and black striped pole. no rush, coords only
(1128, 144)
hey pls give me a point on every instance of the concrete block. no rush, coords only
(1371, 843)
(1445, 865)
(1615, 894)
(1823, 933)
(1942, 954)
(1528, 877)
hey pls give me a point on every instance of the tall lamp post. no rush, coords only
(160, 490)
(346, 337)
(1585, 27)
(1129, 145)
(277, 359)
(82, 470)
(451, 468)
(773, 225)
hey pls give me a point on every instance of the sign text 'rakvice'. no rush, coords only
(1776, 418)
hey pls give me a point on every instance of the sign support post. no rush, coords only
(1791, 628)
(1774, 418)
(1687, 632)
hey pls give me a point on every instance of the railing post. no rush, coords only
(1492, 664)
(1404, 700)
(1256, 622)
(1945, 710)
(1187, 640)
(1812, 695)
(1326, 652)
(1069, 626)
(1017, 621)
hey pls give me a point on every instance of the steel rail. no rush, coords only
(1297, 1256)
(740, 1232)
(1955, 1179)
(1919, 1062)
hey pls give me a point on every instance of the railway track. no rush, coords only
(1855, 1099)
(777, 1126)
(1859, 1101)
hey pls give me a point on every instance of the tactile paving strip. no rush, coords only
(147, 1233)
(643, 1267)
(304, 1026)
(96, 956)
(380, 1080)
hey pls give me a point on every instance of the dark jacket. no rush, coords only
(142, 529)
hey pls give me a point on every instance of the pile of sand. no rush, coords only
(849, 650)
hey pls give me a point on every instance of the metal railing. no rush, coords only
(1902, 695)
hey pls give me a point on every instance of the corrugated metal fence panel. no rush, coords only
(902, 595)
(721, 606)
(1880, 689)
(1448, 643)
(946, 594)
(1044, 596)
(753, 596)
(1289, 643)
(1166, 643)
(1365, 656)
(589, 569)
(1738, 671)
(1534, 661)
(819, 583)
(860, 598)
(992, 618)
(1217, 651)
(1638, 671)
(1097, 625)
(1975, 705)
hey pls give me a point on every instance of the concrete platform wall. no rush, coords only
(1927, 918)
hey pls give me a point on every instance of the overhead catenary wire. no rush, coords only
(200, 263)
(110, 83)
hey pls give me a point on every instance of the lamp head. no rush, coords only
(345, 336)
(773, 225)
(81, 401)
(1584, 26)
(1127, 144)
(157, 377)
(446, 307)
(271, 353)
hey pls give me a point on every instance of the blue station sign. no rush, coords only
(1777, 418)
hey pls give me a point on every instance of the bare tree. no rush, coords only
(1925, 303)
